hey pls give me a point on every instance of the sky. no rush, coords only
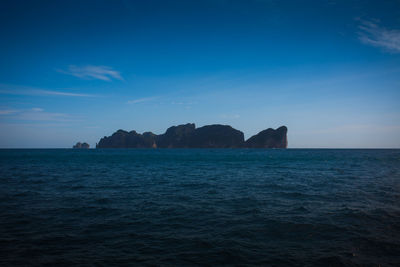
(79, 70)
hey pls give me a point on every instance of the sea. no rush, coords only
(199, 207)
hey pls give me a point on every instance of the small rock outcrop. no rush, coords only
(188, 136)
(80, 145)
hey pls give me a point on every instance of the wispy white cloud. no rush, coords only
(103, 73)
(38, 114)
(372, 34)
(141, 100)
(26, 90)
(46, 92)
(8, 111)
(35, 114)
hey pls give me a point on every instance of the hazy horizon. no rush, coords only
(78, 71)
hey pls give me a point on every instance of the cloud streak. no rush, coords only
(141, 100)
(372, 34)
(103, 73)
(35, 114)
(22, 90)
(57, 93)
(8, 111)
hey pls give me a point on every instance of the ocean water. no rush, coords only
(178, 207)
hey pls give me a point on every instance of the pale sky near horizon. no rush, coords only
(79, 70)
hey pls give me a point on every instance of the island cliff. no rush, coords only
(188, 136)
(269, 138)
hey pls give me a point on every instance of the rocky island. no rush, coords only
(188, 136)
(80, 145)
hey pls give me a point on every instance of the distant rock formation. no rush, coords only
(188, 136)
(81, 145)
(176, 136)
(217, 136)
(269, 138)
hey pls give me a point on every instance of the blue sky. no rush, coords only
(79, 70)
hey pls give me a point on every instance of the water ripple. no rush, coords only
(200, 207)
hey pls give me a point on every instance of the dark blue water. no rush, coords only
(200, 207)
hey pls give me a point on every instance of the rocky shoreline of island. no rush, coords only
(188, 136)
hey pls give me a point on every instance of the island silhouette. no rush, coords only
(188, 136)
(80, 145)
